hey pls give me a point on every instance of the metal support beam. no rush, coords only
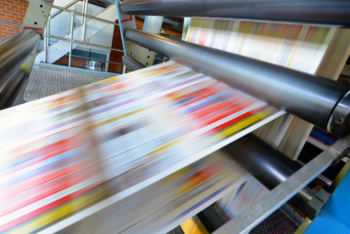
(45, 46)
(330, 12)
(306, 96)
(84, 19)
(255, 214)
(37, 14)
(48, 24)
(71, 38)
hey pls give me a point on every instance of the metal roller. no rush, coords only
(132, 63)
(335, 12)
(14, 51)
(317, 100)
(267, 165)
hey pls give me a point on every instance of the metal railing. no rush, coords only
(65, 7)
(82, 42)
(106, 68)
(89, 16)
(47, 35)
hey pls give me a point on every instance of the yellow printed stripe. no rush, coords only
(117, 118)
(59, 212)
(245, 122)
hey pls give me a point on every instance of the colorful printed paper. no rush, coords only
(62, 154)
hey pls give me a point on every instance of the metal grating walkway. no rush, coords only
(46, 82)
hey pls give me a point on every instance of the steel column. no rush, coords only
(48, 30)
(45, 45)
(306, 96)
(82, 11)
(71, 38)
(84, 21)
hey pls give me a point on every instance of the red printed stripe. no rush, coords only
(237, 119)
(229, 111)
(46, 208)
(52, 188)
(39, 179)
(215, 107)
(52, 150)
(29, 145)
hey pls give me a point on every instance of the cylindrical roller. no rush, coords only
(266, 164)
(307, 96)
(132, 63)
(14, 51)
(335, 12)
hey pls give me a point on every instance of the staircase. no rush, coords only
(93, 26)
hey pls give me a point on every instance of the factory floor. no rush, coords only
(44, 82)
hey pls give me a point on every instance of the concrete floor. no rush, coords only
(45, 82)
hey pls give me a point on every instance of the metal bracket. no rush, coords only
(36, 17)
(255, 214)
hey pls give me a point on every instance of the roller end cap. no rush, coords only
(340, 120)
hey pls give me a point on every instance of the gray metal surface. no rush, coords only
(255, 214)
(15, 51)
(307, 96)
(132, 63)
(50, 79)
(330, 12)
(328, 182)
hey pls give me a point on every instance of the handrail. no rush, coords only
(82, 42)
(87, 58)
(89, 16)
(66, 6)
